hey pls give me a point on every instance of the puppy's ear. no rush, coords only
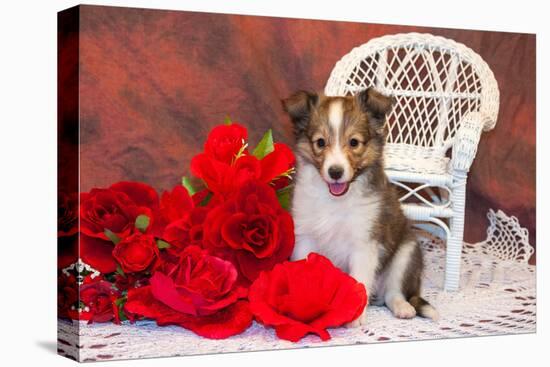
(375, 105)
(299, 107)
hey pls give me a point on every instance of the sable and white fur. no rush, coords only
(343, 205)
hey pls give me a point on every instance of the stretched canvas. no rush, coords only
(177, 164)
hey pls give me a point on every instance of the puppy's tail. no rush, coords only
(423, 308)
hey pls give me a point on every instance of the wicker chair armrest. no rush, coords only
(466, 141)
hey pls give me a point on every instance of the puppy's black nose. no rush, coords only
(335, 172)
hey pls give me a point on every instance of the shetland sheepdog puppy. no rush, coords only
(343, 205)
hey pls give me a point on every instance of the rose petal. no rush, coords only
(230, 321)
(175, 204)
(231, 230)
(227, 322)
(276, 163)
(164, 290)
(225, 141)
(251, 266)
(97, 253)
(295, 332)
(214, 173)
(141, 194)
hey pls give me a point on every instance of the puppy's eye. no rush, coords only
(321, 143)
(353, 142)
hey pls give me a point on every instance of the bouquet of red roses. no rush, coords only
(208, 260)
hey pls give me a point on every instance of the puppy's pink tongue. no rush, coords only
(338, 189)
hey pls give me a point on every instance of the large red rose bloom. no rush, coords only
(253, 224)
(196, 291)
(306, 296)
(115, 209)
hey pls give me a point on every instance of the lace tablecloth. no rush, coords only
(497, 296)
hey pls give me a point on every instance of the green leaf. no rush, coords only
(112, 236)
(265, 146)
(206, 199)
(142, 222)
(186, 182)
(119, 302)
(122, 315)
(283, 195)
(227, 120)
(162, 244)
(119, 270)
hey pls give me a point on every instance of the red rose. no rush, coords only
(131, 280)
(196, 291)
(175, 204)
(186, 231)
(67, 295)
(141, 194)
(306, 296)
(254, 225)
(136, 253)
(222, 178)
(116, 209)
(216, 175)
(99, 299)
(67, 214)
(225, 141)
(221, 169)
(98, 253)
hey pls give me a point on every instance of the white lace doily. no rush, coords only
(497, 296)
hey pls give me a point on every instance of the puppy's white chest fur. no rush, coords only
(334, 226)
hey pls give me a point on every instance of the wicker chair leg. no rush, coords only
(455, 241)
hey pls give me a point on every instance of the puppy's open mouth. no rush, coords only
(338, 189)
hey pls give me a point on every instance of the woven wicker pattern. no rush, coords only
(446, 95)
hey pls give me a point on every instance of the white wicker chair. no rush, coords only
(446, 95)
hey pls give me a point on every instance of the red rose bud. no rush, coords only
(136, 253)
(224, 142)
(306, 296)
(196, 291)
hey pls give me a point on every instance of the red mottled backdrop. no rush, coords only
(152, 83)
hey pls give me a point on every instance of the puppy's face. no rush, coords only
(340, 136)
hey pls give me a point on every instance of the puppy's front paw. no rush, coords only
(360, 321)
(403, 310)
